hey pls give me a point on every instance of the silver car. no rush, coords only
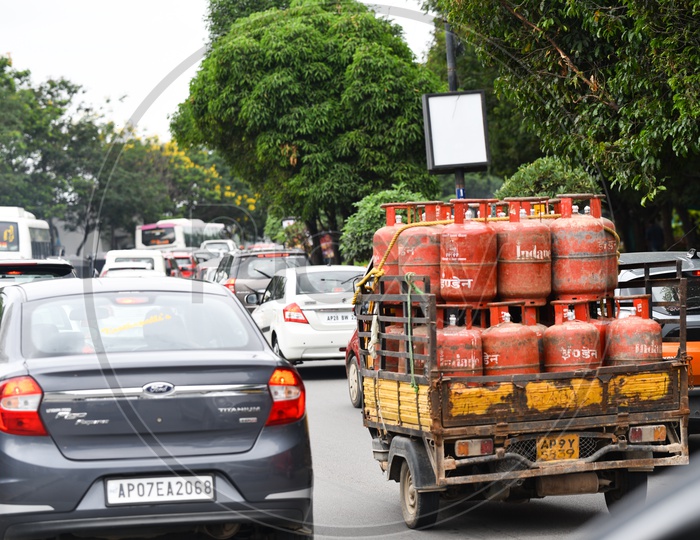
(142, 407)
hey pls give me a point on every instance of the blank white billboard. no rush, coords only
(455, 131)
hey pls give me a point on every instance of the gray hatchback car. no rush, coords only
(146, 406)
(249, 271)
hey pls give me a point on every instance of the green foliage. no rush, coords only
(60, 160)
(476, 186)
(547, 177)
(223, 13)
(612, 85)
(510, 143)
(356, 240)
(315, 106)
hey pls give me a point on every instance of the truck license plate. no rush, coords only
(164, 489)
(557, 447)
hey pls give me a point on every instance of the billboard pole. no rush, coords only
(453, 85)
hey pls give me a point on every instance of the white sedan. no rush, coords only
(306, 313)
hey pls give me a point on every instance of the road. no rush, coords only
(353, 499)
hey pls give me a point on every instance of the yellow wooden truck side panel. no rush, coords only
(400, 404)
(581, 393)
(643, 386)
(479, 400)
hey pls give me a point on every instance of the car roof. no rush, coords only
(133, 253)
(322, 268)
(38, 290)
(256, 252)
(690, 261)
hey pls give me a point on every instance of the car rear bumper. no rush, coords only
(300, 342)
(43, 494)
(289, 515)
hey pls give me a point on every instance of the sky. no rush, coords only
(135, 58)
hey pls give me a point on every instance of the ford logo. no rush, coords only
(158, 388)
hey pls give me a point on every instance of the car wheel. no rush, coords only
(355, 383)
(276, 347)
(420, 510)
(625, 483)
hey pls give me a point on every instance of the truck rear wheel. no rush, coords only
(355, 383)
(625, 483)
(420, 510)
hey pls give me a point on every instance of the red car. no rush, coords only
(185, 262)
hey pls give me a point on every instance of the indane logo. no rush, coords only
(532, 254)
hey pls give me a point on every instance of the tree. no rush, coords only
(223, 13)
(547, 177)
(356, 241)
(611, 86)
(315, 106)
(510, 143)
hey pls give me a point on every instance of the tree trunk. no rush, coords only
(312, 226)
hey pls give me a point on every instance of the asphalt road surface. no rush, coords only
(353, 499)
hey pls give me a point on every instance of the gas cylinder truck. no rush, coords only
(497, 362)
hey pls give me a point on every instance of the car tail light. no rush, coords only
(230, 284)
(19, 407)
(641, 434)
(288, 397)
(474, 447)
(293, 313)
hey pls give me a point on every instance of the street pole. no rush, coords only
(453, 85)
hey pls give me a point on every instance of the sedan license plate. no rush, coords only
(557, 447)
(160, 489)
(340, 317)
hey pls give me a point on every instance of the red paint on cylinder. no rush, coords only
(509, 348)
(570, 344)
(467, 258)
(610, 247)
(459, 350)
(419, 250)
(381, 242)
(524, 258)
(635, 339)
(579, 256)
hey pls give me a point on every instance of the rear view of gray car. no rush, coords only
(149, 406)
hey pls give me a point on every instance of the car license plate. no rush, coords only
(340, 317)
(161, 489)
(557, 447)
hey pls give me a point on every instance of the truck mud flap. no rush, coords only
(414, 452)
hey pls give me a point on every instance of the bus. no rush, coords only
(22, 236)
(176, 233)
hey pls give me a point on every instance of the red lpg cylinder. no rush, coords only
(509, 348)
(612, 244)
(579, 257)
(605, 314)
(524, 258)
(419, 249)
(393, 363)
(459, 351)
(467, 258)
(381, 242)
(530, 319)
(570, 344)
(635, 339)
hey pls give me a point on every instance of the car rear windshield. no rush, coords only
(265, 266)
(135, 321)
(327, 282)
(20, 273)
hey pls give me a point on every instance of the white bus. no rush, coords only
(22, 236)
(176, 233)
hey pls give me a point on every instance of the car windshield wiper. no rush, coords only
(263, 273)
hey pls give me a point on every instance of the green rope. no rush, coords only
(411, 285)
